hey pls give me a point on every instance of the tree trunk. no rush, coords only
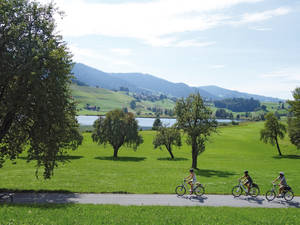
(7, 121)
(170, 151)
(194, 154)
(278, 147)
(116, 152)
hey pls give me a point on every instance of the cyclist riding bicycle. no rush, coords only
(282, 183)
(191, 180)
(248, 180)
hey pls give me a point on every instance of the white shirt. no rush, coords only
(282, 180)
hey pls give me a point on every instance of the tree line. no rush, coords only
(238, 104)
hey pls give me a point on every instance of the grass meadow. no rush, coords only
(113, 214)
(109, 100)
(149, 170)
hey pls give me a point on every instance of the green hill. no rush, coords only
(108, 100)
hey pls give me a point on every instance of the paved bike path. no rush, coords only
(154, 199)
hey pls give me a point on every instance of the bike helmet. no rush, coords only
(246, 171)
(192, 170)
(281, 173)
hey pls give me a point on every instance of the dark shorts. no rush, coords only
(249, 182)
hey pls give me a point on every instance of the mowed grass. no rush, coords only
(113, 214)
(227, 155)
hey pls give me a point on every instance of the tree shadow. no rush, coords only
(287, 157)
(45, 200)
(121, 159)
(212, 173)
(200, 199)
(59, 158)
(257, 200)
(170, 159)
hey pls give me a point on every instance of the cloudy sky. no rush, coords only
(246, 45)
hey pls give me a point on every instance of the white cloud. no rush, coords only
(193, 43)
(261, 16)
(287, 75)
(261, 28)
(100, 60)
(219, 66)
(122, 51)
(151, 21)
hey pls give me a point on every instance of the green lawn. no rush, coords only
(113, 214)
(91, 168)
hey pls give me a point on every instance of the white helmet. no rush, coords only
(281, 173)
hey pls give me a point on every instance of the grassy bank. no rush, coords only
(91, 168)
(112, 214)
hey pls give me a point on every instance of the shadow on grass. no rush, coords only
(122, 159)
(62, 158)
(170, 159)
(212, 173)
(287, 157)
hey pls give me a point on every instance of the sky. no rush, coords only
(245, 45)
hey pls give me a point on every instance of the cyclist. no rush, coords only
(282, 183)
(248, 180)
(191, 180)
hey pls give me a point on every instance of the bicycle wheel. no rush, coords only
(288, 195)
(237, 191)
(254, 191)
(180, 190)
(199, 190)
(270, 195)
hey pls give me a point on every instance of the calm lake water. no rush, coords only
(143, 122)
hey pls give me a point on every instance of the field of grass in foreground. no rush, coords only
(113, 214)
(234, 149)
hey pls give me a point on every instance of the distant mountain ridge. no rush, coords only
(145, 83)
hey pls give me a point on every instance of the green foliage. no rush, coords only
(167, 136)
(36, 107)
(264, 107)
(132, 104)
(221, 113)
(238, 104)
(196, 120)
(78, 214)
(117, 128)
(157, 124)
(294, 120)
(272, 130)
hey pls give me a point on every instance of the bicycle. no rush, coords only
(198, 189)
(238, 190)
(287, 194)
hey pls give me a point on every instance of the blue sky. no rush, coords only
(246, 45)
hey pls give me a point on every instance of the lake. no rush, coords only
(143, 122)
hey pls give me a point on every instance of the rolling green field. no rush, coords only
(108, 100)
(112, 214)
(91, 168)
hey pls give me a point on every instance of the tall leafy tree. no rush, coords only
(157, 124)
(196, 121)
(36, 107)
(273, 130)
(294, 120)
(167, 136)
(117, 128)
